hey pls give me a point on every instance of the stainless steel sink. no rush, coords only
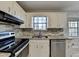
(39, 36)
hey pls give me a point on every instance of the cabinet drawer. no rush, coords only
(40, 42)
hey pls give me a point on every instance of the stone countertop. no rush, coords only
(4, 54)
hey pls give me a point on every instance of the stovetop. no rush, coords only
(17, 46)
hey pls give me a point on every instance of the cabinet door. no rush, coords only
(16, 10)
(44, 50)
(39, 48)
(24, 18)
(68, 48)
(61, 20)
(43, 47)
(29, 20)
(57, 20)
(21, 13)
(6, 6)
(75, 55)
(75, 52)
(24, 25)
(33, 50)
(73, 49)
(53, 21)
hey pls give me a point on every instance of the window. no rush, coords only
(73, 27)
(39, 22)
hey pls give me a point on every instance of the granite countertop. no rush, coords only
(4, 54)
(43, 38)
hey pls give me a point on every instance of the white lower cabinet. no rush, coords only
(68, 48)
(39, 48)
(72, 48)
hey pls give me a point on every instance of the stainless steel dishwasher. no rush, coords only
(57, 47)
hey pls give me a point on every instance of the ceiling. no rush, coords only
(43, 6)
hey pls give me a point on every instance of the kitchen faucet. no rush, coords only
(40, 34)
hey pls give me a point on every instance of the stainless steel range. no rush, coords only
(8, 44)
(7, 40)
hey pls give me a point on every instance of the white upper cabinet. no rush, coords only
(27, 21)
(24, 18)
(61, 18)
(16, 10)
(6, 6)
(52, 21)
(12, 8)
(57, 20)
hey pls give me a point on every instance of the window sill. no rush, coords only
(73, 37)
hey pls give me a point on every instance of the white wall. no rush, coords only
(51, 16)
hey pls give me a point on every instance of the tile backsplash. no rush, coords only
(7, 27)
(55, 30)
(30, 32)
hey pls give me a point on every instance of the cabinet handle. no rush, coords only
(14, 12)
(29, 24)
(70, 55)
(30, 55)
(73, 44)
(8, 9)
(37, 46)
(68, 46)
(41, 46)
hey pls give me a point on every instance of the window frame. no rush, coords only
(73, 19)
(40, 23)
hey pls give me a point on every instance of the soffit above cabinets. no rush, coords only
(49, 5)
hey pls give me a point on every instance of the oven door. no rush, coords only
(6, 47)
(24, 52)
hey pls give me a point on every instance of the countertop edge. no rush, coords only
(51, 38)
